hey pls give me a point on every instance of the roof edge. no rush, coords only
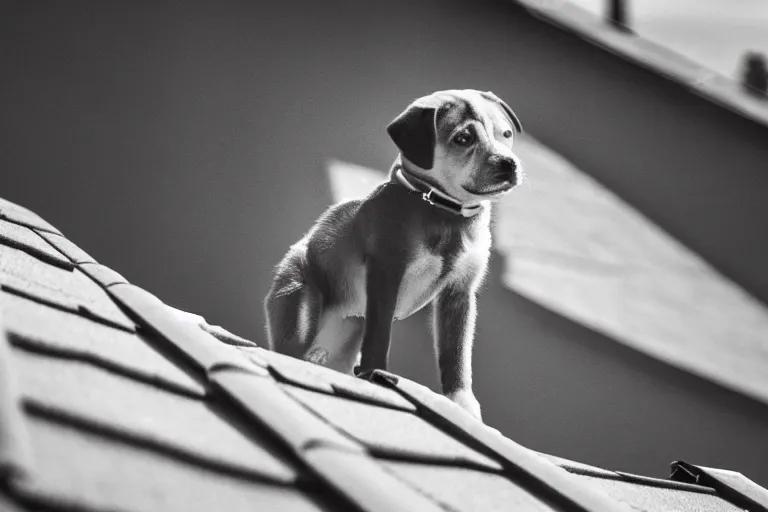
(661, 60)
(730, 485)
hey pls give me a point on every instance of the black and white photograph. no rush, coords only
(384, 256)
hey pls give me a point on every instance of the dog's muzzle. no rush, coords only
(501, 174)
(504, 168)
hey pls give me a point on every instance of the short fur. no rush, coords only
(368, 262)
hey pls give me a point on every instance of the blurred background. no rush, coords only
(715, 33)
(623, 323)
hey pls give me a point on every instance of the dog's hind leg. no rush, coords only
(338, 341)
(292, 309)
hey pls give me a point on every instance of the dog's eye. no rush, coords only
(464, 138)
(507, 134)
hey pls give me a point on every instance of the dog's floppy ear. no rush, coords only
(507, 110)
(414, 132)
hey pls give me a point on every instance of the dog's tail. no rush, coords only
(292, 309)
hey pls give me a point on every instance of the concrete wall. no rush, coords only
(183, 144)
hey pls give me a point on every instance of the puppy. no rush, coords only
(420, 239)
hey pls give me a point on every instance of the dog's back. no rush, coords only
(305, 280)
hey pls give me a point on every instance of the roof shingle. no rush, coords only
(109, 402)
(35, 326)
(104, 473)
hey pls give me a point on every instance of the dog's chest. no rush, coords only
(430, 267)
(420, 282)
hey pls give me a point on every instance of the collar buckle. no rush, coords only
(434, 196)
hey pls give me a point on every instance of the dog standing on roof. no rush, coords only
(420, 239)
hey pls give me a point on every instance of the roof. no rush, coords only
(108, 402)
(627, 45)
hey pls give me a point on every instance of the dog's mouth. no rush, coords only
(498, 189)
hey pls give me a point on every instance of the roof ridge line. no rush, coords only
(428, 460)
(665, 483)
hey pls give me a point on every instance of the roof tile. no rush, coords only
(20, 215)
(69, 249)
(68, 289)
(657, 499)
(456, 421)
(263, 400)
(587, 470)
(365, 482)
(29, 241)
(105, 474)
(359, 389)
(740, 484)
(661, 482)
(295, 371)
(15, 456)
(42, 328)
(105, 276)
(139, 411)
(467, 490)
(580, 468)
(200, 348)
(390, 432)
(732, 485)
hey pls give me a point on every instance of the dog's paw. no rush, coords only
(465, 399)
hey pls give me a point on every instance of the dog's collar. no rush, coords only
(434, 196)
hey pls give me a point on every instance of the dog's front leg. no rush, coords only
(453, 326)
(382, 284)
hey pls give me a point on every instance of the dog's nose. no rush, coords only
(507, 165)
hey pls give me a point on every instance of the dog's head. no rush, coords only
(460, 141)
